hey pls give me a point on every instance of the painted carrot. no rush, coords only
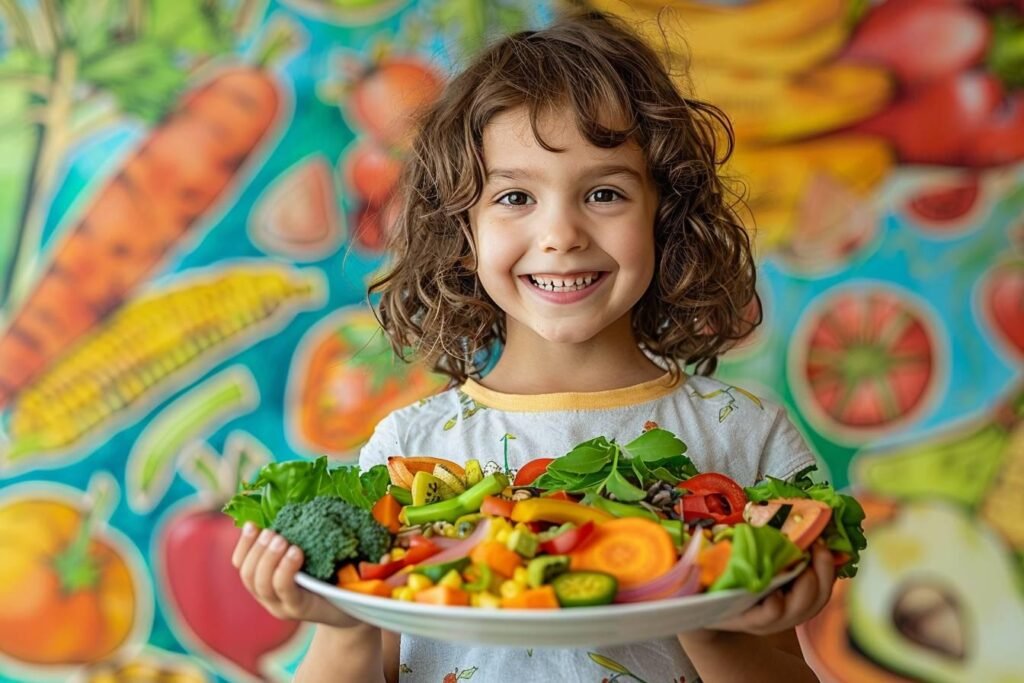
(162, 191)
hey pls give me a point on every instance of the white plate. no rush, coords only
(575, 627)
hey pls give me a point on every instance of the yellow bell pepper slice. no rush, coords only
(557, 511)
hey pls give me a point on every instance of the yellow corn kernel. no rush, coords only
(399, 591)
(521, 526)
(502, 536)
(418, 582)
(451, 579)
(450, 531)
(397, 553)
(407, 594)
(486, 599)
(510, 589)
(520, 576)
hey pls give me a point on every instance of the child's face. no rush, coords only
(564, 240)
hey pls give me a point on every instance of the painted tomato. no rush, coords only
(372, 225)
(67, 595)
(372, 172)
(864, 360)
(385, 98)
(346, 379)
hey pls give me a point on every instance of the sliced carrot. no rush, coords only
(632, 549)
(712, 561)
(496, 556)
(442, 595)
(533, 598)
(348, 574)
(371, 587)
(386, 511)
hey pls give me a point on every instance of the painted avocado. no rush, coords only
(936, 598)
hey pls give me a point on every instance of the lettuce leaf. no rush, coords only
(844, 532)
(758, 554)
(298, 481)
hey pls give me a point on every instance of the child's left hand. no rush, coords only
(793, 604)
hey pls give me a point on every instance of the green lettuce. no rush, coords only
(298, 481)
(758, 555)
(844, 532)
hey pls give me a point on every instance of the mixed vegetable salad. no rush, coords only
(605, 523)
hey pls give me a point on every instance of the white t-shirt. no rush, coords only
(725, 428)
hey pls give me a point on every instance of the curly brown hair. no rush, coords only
(702, 298)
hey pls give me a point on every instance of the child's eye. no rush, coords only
(515, 199)
(605, 195)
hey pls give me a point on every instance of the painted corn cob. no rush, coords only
(146, 344)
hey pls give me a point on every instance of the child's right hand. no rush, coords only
(267, 566)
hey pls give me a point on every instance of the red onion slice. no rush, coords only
(690, 586)
(460, 549)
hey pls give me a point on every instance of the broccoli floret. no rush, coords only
(329, 531)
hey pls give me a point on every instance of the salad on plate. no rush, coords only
(606, 523)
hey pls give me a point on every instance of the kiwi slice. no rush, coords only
(474, 473)
(450, 480)
(426, 488)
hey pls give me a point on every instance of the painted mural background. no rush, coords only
(193, 198)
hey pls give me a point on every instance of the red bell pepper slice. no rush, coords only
(371, 570)
(568, 540)
(420, 548)
(712, 495)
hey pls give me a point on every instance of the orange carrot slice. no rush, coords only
(533, 598)
(443, 595)
(632, 549)
(386, 511)
(712, 561)
(371, 587)
(496, 556)
(348, 574)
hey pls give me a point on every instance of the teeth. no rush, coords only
(564, 284)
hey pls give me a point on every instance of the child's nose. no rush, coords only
(562, 232)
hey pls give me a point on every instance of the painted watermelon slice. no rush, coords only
(298, 214)
(1002, 304)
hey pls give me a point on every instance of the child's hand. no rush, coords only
(267, 566)
(792, 604)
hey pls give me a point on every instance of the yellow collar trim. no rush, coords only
(573, 400)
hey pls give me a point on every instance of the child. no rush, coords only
(562, 199)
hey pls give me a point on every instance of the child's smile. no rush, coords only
(565, 288)
(564, 240)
